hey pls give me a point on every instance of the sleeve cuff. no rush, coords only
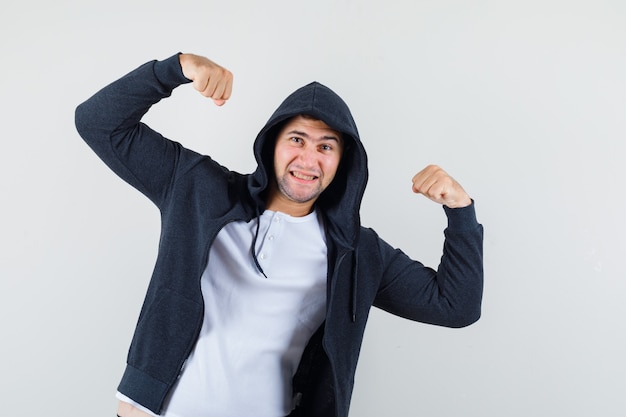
(169, 72)
(461, 218)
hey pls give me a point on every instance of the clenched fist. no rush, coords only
(210, 79)
(437, 185)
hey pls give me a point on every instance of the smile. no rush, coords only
(302, 176)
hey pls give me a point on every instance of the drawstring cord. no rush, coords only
(355, 270)
(253, 249)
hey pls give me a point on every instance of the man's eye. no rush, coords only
(296, 140)
(326, 147)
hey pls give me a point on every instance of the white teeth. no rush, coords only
(302, 176)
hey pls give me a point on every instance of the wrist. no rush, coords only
(463, 202)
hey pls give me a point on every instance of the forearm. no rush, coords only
(460, 273)
(109, 122)
(120, 105)
(449, 296)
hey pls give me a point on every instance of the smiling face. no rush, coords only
(306, 158)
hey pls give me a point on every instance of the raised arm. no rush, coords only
(451, 295)
(110, 121)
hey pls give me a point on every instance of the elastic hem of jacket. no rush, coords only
(143, 389)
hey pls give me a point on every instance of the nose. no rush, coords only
(308, 156)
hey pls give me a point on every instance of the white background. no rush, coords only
(523, 102)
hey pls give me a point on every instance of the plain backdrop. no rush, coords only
(523, 102)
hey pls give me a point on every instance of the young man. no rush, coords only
(263, 282)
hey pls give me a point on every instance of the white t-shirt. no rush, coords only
(255, 328)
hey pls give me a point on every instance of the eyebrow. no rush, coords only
(304, 134)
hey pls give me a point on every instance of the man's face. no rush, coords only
(306, 158)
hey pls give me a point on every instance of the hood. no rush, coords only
(341, 201)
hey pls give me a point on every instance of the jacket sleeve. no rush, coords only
(110, 123)
(451, 296)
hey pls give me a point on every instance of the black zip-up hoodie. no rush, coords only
(197, 197)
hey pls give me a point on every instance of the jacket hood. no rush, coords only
(341, 201)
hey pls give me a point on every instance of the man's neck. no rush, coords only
(294, 209)
(278, 202)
